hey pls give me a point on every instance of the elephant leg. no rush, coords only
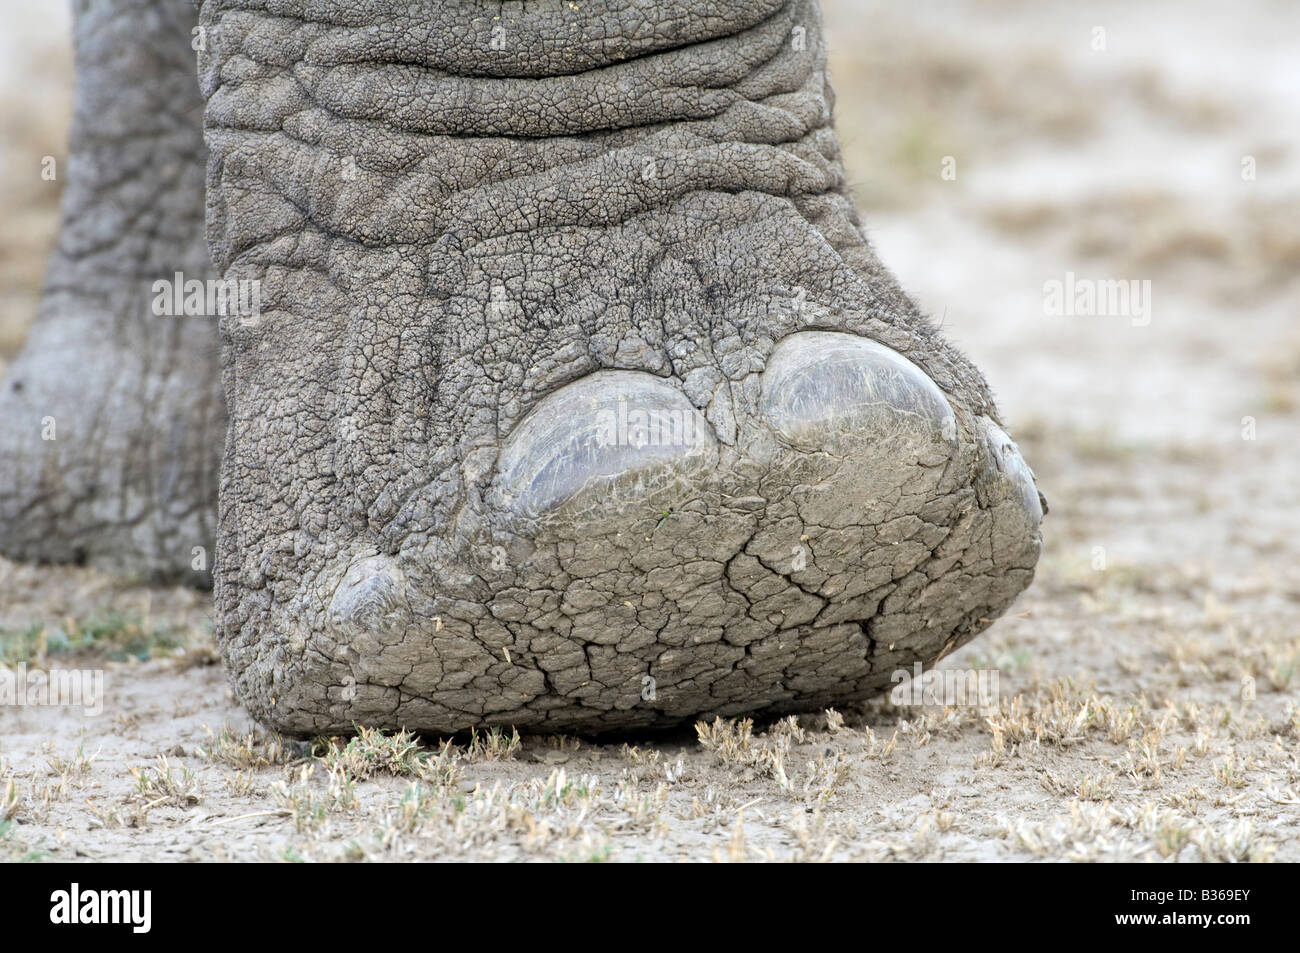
(580, 400)
(111, 421)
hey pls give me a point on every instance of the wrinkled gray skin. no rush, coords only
(494, 242)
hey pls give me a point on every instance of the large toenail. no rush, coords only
(1008, 476)
(621, 434)
(372, 594)
(828, 391)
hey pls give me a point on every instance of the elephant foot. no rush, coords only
(630, 568)
(580, 400)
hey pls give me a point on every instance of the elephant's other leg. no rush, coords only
(111, 420)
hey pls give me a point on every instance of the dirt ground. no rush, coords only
(1149, 700)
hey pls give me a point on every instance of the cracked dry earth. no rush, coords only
(1148, 679)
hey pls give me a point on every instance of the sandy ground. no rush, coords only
(1149, 700)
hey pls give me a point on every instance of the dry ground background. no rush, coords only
(1169, 587)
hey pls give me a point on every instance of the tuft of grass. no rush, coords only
(19, 646)
(1062, 713)
(767, 755)
(495, 745)
(163, 785)
(75, 766)
(16, 850)
(416, 806)
(594, 849)
(1236, 843)
(309, 807)
(9, 801)
(1228, 774)
(253, 749)
(372, 751)
(1095, 787)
